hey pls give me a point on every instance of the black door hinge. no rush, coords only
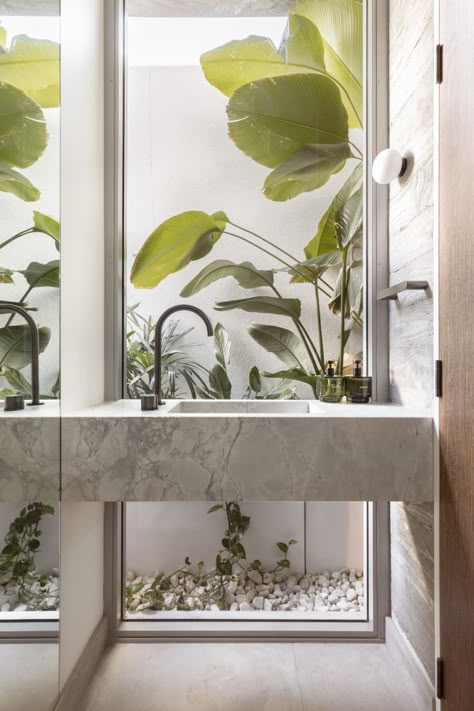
(438, 378)
(439, 678)
(439, 63)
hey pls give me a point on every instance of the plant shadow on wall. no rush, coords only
(296, 110)
(236, 584)
(29, 83)
(22, 587)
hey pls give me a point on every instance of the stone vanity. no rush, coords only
(30, 453)
(247, 450)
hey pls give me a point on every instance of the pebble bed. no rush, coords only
(252, 591)
(42, 595)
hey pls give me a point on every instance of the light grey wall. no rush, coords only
(411, 318)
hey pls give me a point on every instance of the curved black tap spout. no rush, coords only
(158, 338)
(8, 307)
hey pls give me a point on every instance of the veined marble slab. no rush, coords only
(30, 454)
(115, 452)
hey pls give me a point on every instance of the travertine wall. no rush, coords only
(411, 317)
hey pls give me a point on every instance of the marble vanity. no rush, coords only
(247, 450)
(30, 453)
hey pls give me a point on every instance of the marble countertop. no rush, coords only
(333, 452)
(30, 453)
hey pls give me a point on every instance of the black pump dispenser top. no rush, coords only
(330, 372)
(357, 370)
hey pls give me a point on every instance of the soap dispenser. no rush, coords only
(331, 385)
(358, 388)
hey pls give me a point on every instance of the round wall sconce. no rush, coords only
(388, 165)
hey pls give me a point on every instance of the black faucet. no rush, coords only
(158, 335)
(8, 307)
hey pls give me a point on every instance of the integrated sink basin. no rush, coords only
(241, 407)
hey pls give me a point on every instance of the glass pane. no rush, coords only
(243, 199)
(287, 560)
(29, 376)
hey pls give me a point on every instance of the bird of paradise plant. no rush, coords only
(291, 109)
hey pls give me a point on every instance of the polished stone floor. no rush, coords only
(28, 676)
(247, 677)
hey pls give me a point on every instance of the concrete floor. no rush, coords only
(247, 677)
(28, 676)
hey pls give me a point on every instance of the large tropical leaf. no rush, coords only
(15, 345)
(341, 24)
(174, 244)
(307, 169)
(325, 240)
(41, 275)
(220, 383)
(264, 305)
(32, 65)
(242, 61)
(47, 225)
(23, 134)
(271, 119)
(286, 345)
(222, 345)
(11, 181)
(293, 374)
(246, 275)
(316, 266)
(349, 220)
(6, 275)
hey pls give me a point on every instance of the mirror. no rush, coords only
(29, 354)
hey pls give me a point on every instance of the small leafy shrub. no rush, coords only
(17, 558)
(206, 589)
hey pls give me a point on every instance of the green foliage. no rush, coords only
(175, 356)
(211, 586)
(246, 275)
(289, 109)
(17, 558)
(15, 346)
(176, 242)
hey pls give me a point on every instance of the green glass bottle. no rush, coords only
(358, 387)
(332, 385)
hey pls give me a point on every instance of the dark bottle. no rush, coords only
(358, 387)
(331, 385)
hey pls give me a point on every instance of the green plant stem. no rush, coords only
(274, 256)
(340, 365)
(275, 246)
(320, 329)
(305, 337)
(18, 234)
(22, 300)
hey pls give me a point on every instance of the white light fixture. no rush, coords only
(388, 165)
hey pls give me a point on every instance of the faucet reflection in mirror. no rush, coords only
(158, 339)
(8, 307)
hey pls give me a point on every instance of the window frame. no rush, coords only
(375, 333)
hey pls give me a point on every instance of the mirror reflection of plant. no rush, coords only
(29, 82)
(17, 559)
(290, 109)
(211, 587)
(15, 341)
